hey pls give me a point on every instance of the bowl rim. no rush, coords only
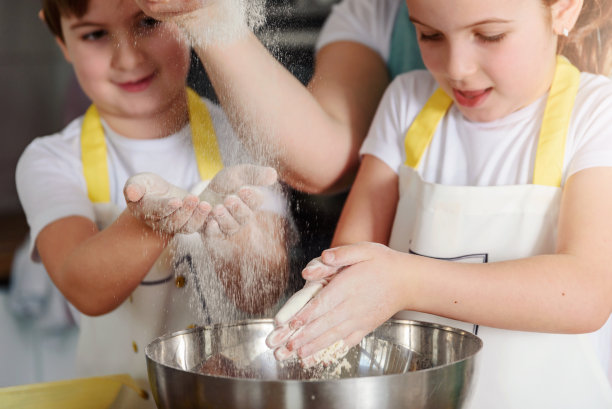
(472, 356)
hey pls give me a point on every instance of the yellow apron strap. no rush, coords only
(93, 157)
(422, 130)
(205, 143)
(548, 168)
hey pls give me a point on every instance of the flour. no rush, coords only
(222, 21)
(328, 356)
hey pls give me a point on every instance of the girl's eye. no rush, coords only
(491, 39)
(431, 37)
(94, 35)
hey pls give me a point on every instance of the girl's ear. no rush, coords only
(564, 15)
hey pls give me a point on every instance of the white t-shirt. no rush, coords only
(500, 152)
(369, 22)
(50, 180)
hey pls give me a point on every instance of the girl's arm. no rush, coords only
(97, 270)
(313, 132)
(565, 292)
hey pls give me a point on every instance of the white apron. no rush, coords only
(478, 224)
(115, 342)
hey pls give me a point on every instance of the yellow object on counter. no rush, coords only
(96, 392)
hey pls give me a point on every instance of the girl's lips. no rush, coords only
(137, 86)
(471, 99)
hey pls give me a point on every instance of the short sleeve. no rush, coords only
(368, 22)
(50, 184)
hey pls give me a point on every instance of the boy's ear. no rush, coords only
(62, 47)
(565, 14)
(59, 41)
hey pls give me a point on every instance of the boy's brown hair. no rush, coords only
(52, 10)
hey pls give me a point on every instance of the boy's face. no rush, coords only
(128, 64)
(492, 57)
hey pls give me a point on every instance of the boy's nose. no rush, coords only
(127, 53)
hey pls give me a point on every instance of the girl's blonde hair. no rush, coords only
(589, 44)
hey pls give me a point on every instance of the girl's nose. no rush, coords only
(127, 53)
(460, 63)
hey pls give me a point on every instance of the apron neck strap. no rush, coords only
(94, 152)
(548, 167)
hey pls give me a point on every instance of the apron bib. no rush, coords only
(404, 52)
(161, 302)
(477, 224)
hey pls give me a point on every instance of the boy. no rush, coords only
(114, 264)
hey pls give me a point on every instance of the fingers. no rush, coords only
(317, 270)
(133, 192)
(226, 222)
(279, 336)
(252, 197)
(238, 209)
(350, 254)
(198, 218)
(297, 302)
(230, 179)
(166, 8)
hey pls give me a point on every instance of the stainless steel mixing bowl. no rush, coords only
(402, 364)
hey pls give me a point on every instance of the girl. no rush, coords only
(498, 158)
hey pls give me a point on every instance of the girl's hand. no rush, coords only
(365, 289)
(235, 194)
(207, 21)
(164, 207)
(168, 9)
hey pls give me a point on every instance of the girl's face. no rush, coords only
(128, 64)
(492, 57)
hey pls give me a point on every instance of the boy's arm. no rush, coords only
(97, 270)
(246, 246)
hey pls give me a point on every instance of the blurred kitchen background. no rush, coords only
(39, 96)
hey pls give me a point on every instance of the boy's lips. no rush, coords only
(138, 85)
(471, 99)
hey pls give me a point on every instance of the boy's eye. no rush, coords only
(94, 35)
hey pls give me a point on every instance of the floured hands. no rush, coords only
(203, 21)
(163, 206)
(235, 194)
(169, 9)
(360, 286)
(227, 204)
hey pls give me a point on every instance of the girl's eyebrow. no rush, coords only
(478, 23)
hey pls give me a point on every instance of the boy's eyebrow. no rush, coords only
(478, 23)
(80, 24)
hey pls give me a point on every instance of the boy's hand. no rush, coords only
(163, 206)
(236, 193)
